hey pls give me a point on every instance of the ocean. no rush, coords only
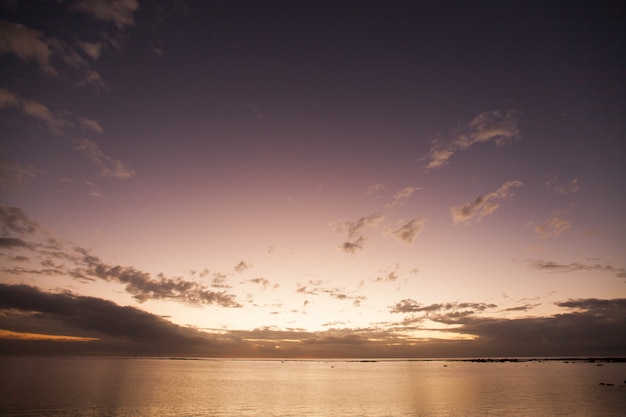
(87, 386)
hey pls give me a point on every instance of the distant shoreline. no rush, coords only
(608, 359)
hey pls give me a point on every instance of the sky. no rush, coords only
(312, 179)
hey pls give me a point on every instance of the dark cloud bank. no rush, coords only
(588, 327)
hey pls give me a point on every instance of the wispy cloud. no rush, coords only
(19, 232)
(51, 54)
(90, 125)
(375, 189)
(388, 276)
(118, 12)
(554, 226)
(143, 286)
(27, 44)
(108, 166)
(563, 188)
(483, 205)
(9, 99)
(552, 266)
(15, 175)
(316, 288)
(409, 305)
(400, 196)
(500, 127)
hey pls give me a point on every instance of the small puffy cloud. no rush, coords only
(119, 12)
(355, 228)
(400, 196)
(92, 49)
(409, 230)
(483, 205)
(355, 239)
(264, 283)
(388, 276)
(242, 266)
(355, 245)
(109, 167)
(500, 127)
(27, 44)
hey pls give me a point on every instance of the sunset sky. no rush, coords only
(312, 178)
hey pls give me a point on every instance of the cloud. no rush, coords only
(483, 205)
(391, 276)
(242, 266)
(316, 288)
(119, 12)
(32, 108)
(594, 328)
(144, 286)
(355, 239)
(553, 184)
(27, 44)
(109, 167)
(409, 305)
(553, 226)
(90, 125)
(500, 127)
(409, 230)
(13, 220)
(30, 45)
(92, 49)
(264, 283)
(15, 175)
(354, 228)
(400, 196)
(551, 266)
(13, 242)
(375, 189)
(19, 232)
(587, 327)
(353, 246)
(96, 318)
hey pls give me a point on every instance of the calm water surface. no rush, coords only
(153, 387)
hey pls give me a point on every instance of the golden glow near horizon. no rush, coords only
(10, 335)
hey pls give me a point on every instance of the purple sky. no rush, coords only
(345, 178)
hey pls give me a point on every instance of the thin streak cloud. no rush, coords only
(501, 127)
(483, 205)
